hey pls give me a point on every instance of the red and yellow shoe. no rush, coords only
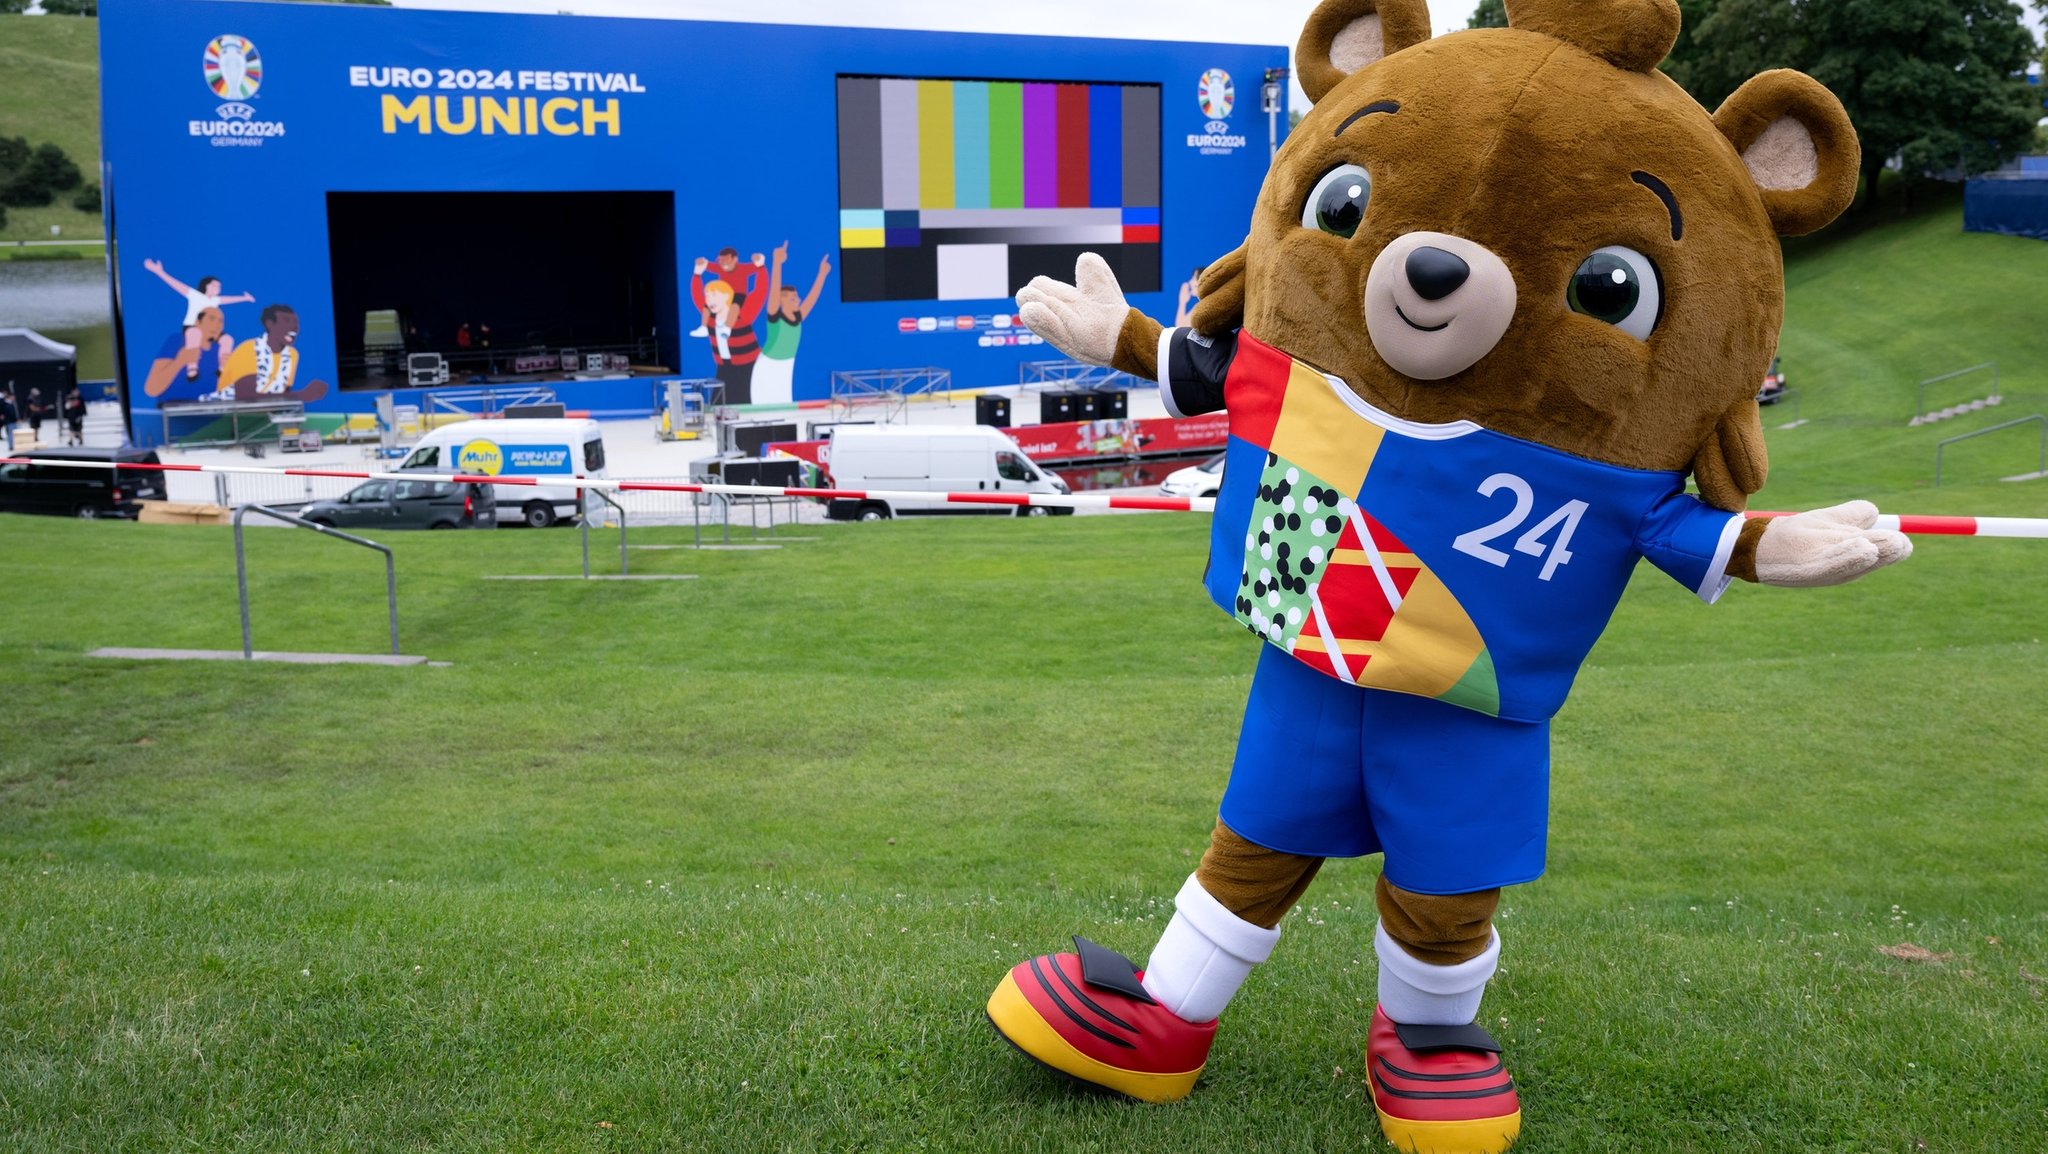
(1441, 1089)
(1086, 1015)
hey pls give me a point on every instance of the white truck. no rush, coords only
(521, 448)
(931, 459)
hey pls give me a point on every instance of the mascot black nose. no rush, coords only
(1435, 273)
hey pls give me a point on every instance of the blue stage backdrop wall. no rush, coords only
(558, 178)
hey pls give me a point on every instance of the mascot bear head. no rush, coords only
(1548, 236)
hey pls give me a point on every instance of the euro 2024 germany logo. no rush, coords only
(1218, 94)
(233, 69)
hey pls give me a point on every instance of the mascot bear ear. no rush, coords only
(1344, 36)
(1799, 146)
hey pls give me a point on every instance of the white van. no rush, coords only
(935, 459)
(521, 448)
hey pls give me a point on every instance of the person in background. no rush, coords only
(744, 280)
(38, 412)
(74, 418)
(775, 373)
(198, 300)
(8, 416)
(729, 319)
(1190, 296)
(463, 339)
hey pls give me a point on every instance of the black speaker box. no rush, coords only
(1054, 408)
(1112, 404)
(1085, 407)
(990, 410)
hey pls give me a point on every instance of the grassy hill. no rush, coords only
(1873, 310)
(52, 93)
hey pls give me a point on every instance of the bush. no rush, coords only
(88, 199)
(71, 7)
(30, 177)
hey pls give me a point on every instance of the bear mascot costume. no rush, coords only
(1503, 292)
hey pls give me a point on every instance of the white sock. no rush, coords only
(1204, 955)
(1415, 993)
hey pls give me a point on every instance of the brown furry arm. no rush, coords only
(1137, 346)
(1742, 563)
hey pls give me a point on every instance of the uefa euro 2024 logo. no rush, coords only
(233, 69)
(1218, 95)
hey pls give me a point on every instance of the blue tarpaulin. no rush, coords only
(2012, 207)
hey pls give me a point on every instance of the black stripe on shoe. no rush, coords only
(1486, 1073)
(1380, 1084)
(1078, 1020)
(1090, 1002)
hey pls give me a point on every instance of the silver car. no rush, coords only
(409, 504)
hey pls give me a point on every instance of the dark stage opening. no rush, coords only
(566, 282)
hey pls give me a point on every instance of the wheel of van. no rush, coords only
(88, 512)
(442, 525)
(1035, 511)
(539, 514)
(873, 513)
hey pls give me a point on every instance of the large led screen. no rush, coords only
(966, 189)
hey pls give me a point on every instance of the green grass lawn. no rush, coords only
(732, 864)
(52, 94)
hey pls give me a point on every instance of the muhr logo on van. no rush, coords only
(480, 459)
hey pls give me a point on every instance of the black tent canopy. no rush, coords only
(30, 360)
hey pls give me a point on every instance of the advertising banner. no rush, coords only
(304, 197)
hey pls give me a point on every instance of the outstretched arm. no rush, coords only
(241, 299)
(1831, 546)
(177, 286)
(775, 279)
(817, 286)
(1090, 320)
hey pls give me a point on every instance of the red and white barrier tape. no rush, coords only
(2034, 527)
(1049, 500)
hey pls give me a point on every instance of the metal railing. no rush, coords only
(1074, 375)
(242, 569)
(887, 388)
(1920, 394)
(2041, 462)
(584, 520)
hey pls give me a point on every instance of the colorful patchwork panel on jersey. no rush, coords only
(1324, 581)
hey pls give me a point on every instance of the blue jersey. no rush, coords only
(1448, 561)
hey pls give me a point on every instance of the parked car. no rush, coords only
(409, 504)
(1201, 480)
(536, 447)
(1774, 385)
(933, 459)
(65, 491)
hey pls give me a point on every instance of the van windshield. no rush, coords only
(430, 455)
(593, 456)
(1011, 467)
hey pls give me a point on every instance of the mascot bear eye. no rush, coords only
(1337, 205)
(1620, 286)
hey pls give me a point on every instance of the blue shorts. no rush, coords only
(1456, 800)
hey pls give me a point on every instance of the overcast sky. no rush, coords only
(1226, 21)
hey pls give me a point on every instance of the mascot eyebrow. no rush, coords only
(1663, 192)
(1387, 106)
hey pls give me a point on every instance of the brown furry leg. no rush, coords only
(1257, 884)
(1442, 930)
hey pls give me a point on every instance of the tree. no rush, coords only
(1931, 82)
(34, 176)
(71, 7)
(1491, 14)
(88, 199)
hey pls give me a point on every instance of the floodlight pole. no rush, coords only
(1270, 98)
